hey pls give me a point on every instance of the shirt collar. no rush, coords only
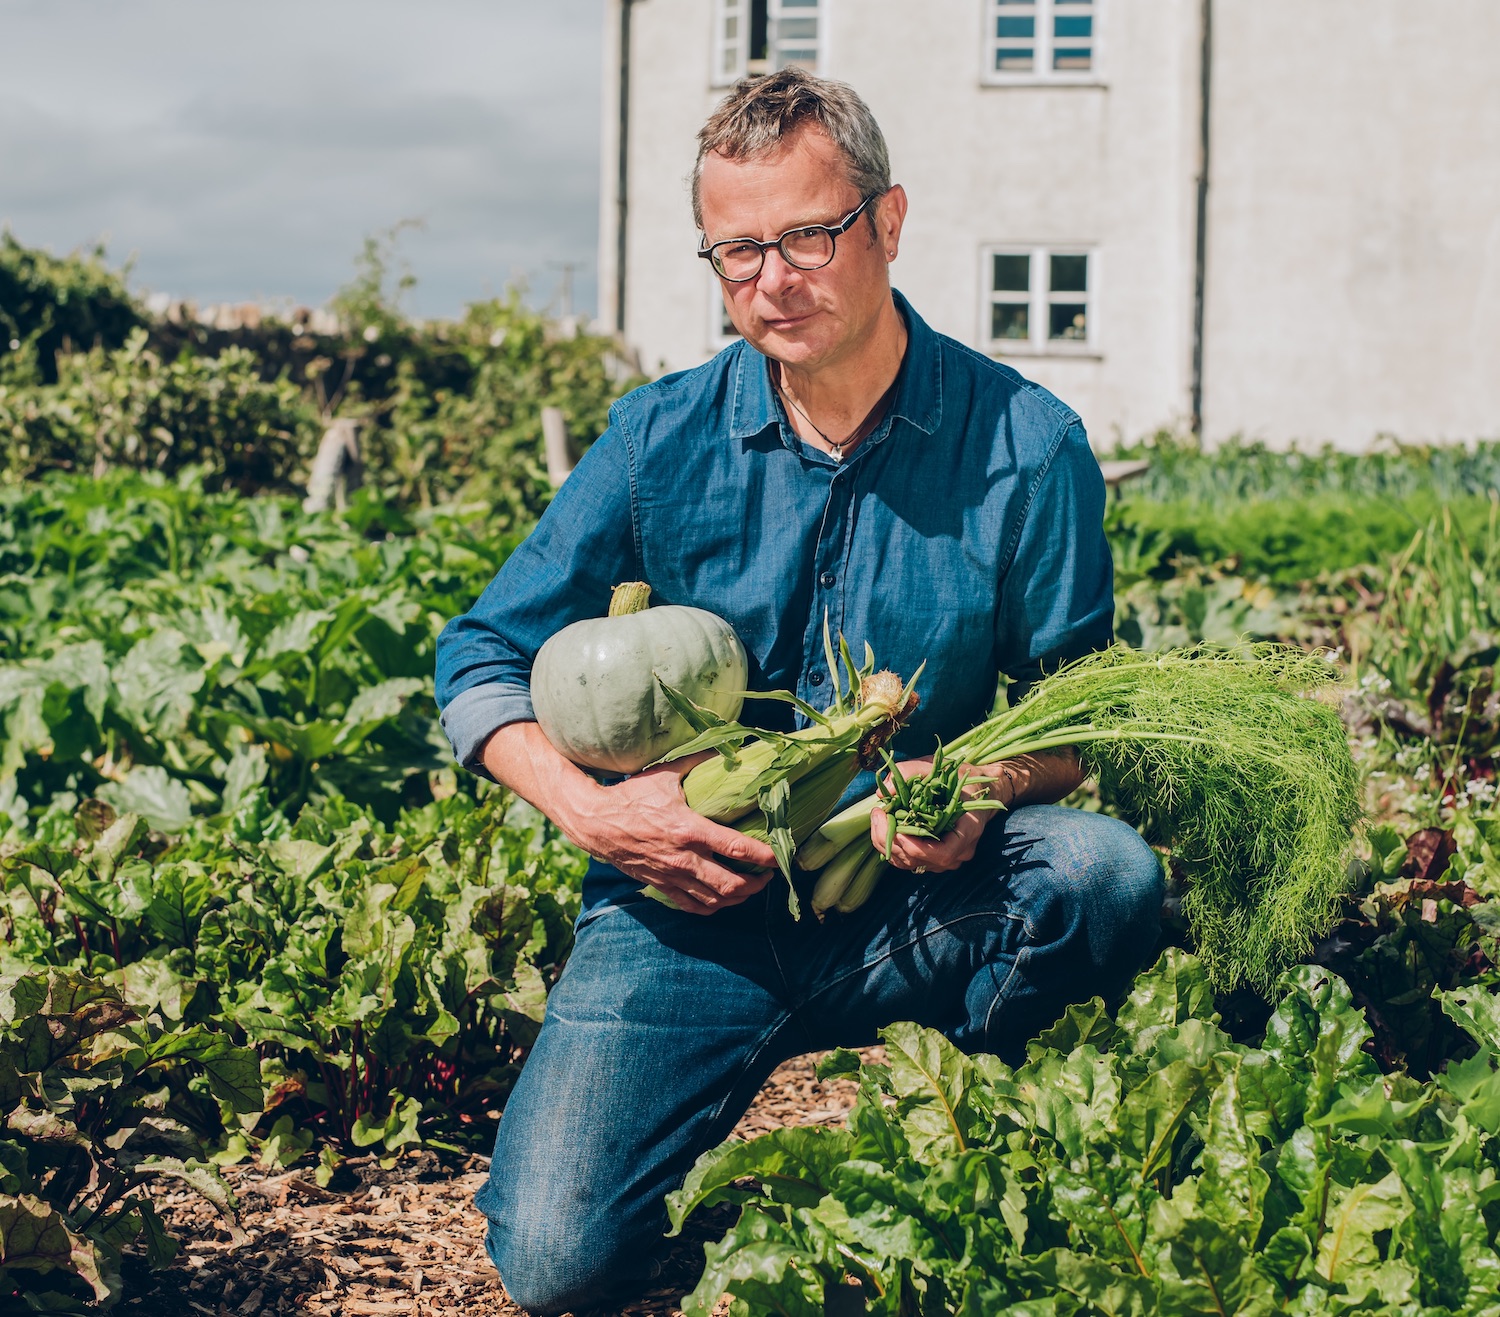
(919, 393)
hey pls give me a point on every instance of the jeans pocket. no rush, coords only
(996, 980)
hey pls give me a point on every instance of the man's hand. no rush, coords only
(642, 826)
(1025, 780)
(957, 845)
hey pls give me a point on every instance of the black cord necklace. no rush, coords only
(872, 418)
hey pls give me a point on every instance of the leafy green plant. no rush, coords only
(388, 978)
(101, 1098)
(131, 407)
(169, 650)
(51, 305)
(1140, 1162)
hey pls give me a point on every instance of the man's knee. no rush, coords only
(1107, 882)
(554, 1258)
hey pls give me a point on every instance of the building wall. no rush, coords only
(1354, 222)
(1353, 281)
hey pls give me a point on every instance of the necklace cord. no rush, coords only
(872, 419)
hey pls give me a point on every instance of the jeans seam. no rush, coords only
(1004, 989)
(891, 951)
(761, 1043)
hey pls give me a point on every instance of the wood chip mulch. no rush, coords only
(405, 1241)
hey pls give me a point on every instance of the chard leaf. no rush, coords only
(765, 1264)
(1476, 1012)
(1154, 1113)
(794, 1165)
(1356, 1215)
(34, 1236)
(153, 794)
(929, 1077)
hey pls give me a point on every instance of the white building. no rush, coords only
(1346, 242)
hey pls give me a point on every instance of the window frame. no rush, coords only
(1039, 299)
(777, 11)
(1041, 74)
(718, 316)
(723, 10)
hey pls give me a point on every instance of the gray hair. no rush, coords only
(760, 112)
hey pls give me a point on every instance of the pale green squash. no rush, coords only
(594, 686)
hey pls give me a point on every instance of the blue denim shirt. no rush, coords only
(966, 531)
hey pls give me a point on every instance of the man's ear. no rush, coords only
(889, 215)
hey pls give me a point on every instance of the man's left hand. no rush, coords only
(956, 846)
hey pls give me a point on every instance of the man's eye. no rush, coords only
(812, 232)
(730, 250)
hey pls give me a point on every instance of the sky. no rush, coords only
(241, 150)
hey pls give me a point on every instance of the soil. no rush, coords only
(402, 1241)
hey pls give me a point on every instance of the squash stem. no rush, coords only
(630, 597)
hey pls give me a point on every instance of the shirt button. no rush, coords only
(815, 679)
(827, 580)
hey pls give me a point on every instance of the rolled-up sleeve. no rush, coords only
(1057, 597)
(584, 544)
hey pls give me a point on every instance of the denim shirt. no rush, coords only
(966, 531)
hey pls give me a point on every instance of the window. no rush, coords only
(761, 36)
(721, 330)
(1039, 299)
(1040, 40)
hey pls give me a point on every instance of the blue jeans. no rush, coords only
(664, 1026)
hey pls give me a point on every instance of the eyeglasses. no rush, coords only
(810, 247)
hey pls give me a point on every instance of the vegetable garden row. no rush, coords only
(252, 911)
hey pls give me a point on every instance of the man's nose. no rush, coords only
(776, 273)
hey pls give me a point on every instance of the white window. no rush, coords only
(761, 36)
(1041, 41)
(721, 330)
(1039, 300)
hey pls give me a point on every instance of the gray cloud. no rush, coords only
(245, 152)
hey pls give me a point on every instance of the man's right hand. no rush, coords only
(642, 826)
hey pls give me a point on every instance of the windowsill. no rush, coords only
(1052, 352)
(1035, 80)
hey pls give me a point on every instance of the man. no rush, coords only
(842, 461)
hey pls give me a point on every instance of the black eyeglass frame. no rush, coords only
(834, 232)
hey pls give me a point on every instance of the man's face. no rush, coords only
(805, 318)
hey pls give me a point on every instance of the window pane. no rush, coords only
(1073, 27)
(799, 55)
(731, 27)
(1015, 27)
(1012, 321)
(802, 29)
(1069, 321)
(799, 4)
(1071, 61)
(1018, 60)
(1070, 274)
(1012, 274)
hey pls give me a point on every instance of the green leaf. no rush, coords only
(34, 1236)
(1476, 1012)
(929, 1077)
(1356, 1215)
(766, 1268)
(155, 686)
(153, 794)
(840, 1062)
(1086, 1022)
(1175, 990)
(1153, 1113)
(793, 1165)
(233, 1072)
(775, 803)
